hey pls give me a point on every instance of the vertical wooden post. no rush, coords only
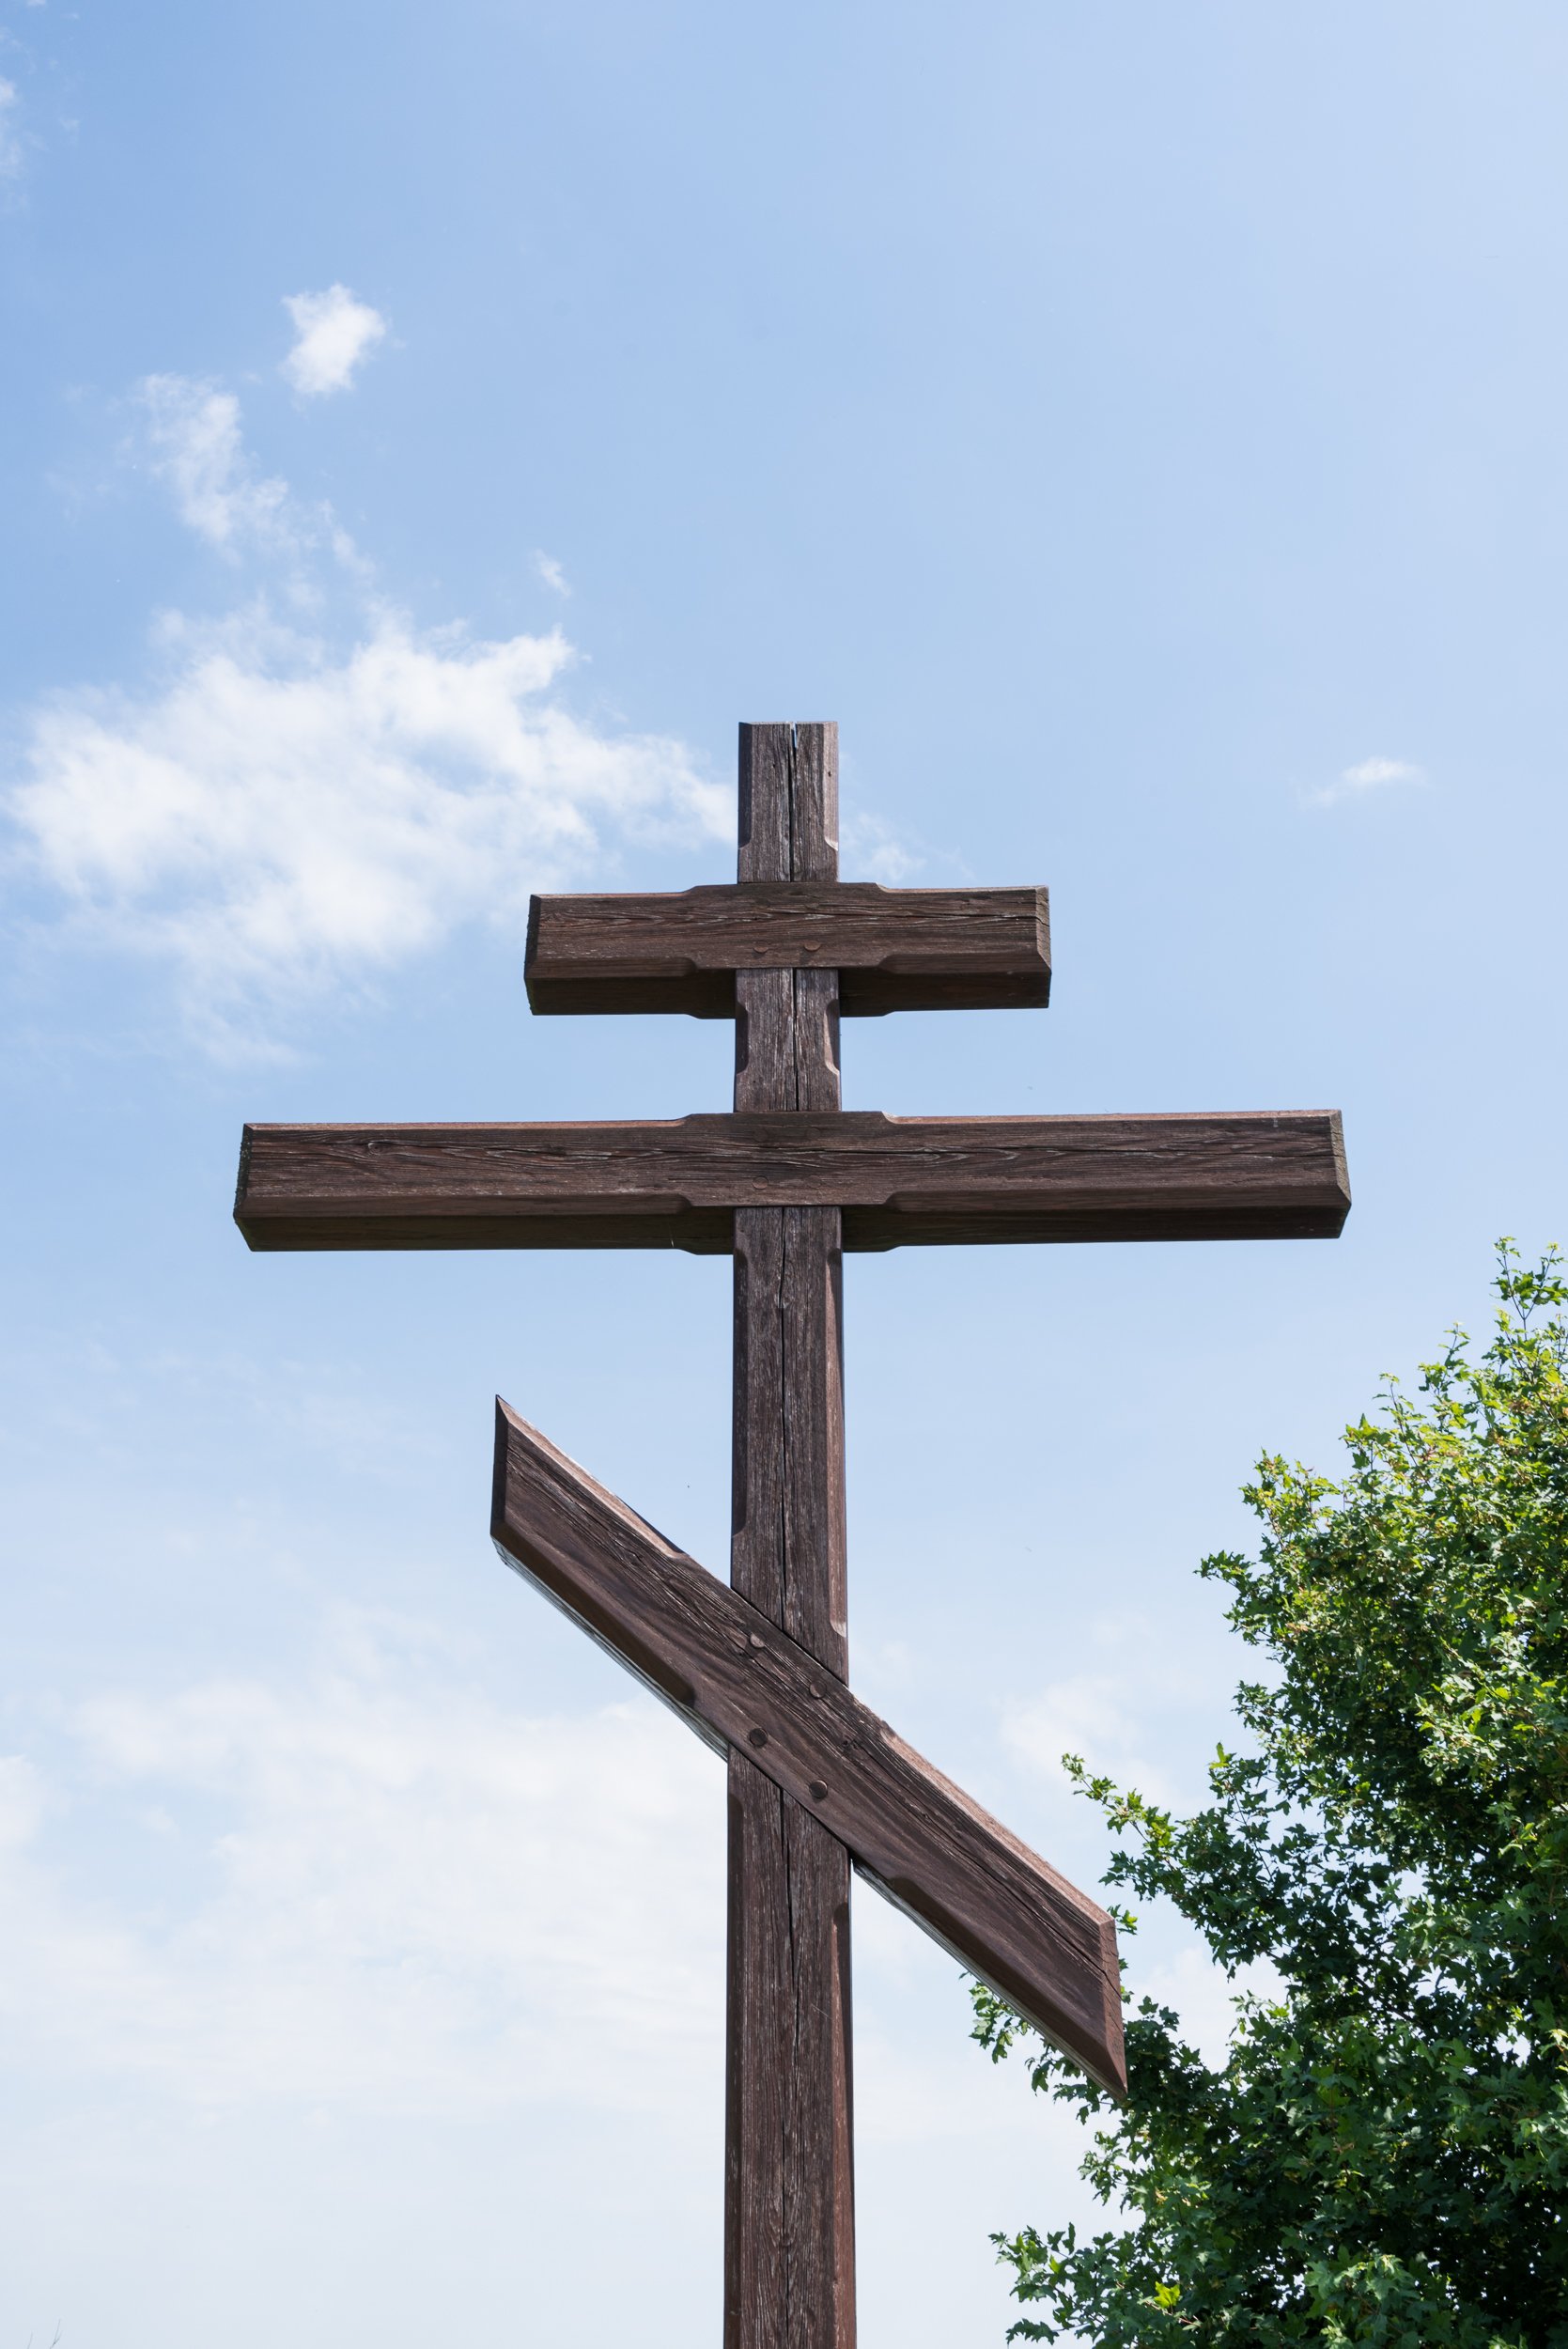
(789, 2268)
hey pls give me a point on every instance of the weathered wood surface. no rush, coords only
(786, 1045)
(894, 949)
(741, 1683)
(788, 1547)
(789, 2183)
(789, 2207)
(899, 1181)
(788, 818)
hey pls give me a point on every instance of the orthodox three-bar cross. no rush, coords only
(787, 1183)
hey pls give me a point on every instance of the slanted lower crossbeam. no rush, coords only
(749, 1689)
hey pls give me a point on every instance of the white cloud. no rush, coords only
(880, 850)
(11, 154)
(1146, 1689)
(409, 1902)
(276, 817)
(313, 1972)
(334, 332)
(1088, 1715)
(193, 441)
(1372, 774)
(195, 444)
(551, 573)
(277, 812)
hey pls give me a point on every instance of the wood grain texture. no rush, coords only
(786, 1042)
(789, 2131)
(894, 949)
(741, 1683)
(788, 802)
(787, 1545)
(898, 1181)
(789, 2190)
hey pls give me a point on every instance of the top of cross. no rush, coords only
(893, 949)
(833, 947)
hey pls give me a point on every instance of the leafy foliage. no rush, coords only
(1383, 2156)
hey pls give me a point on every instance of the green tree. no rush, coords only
(1383, 2156)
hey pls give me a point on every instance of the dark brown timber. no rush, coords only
(898, 1181)
(787, 1183)
(1007, 1916)
(789, 2196)
(893, 949)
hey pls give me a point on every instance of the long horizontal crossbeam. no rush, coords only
(893, 949)
(900, 1181)
(745, 1685)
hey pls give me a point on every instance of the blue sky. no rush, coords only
(427, 435)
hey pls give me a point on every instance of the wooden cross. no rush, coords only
(787, 1183)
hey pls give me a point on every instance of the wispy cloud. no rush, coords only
(13, 154)
(275, 817)
(551, 573)
(1137, 1693)
(1088, 1715)
(283, 809)
(194, 446)
(334, 333)
(876, 848)
(1370, 774)
(411, 1899)
(190, 437)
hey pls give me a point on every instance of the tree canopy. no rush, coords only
(1382, 2156)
